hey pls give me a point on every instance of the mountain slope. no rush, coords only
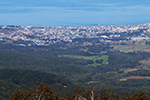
(12, 80)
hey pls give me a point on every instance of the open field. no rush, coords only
(131, 47)
(80, 57)
(134, 77)
(129, 70)
(145, 62)
(94, 58)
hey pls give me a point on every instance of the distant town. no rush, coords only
(44, 36)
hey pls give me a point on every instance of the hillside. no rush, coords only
(51, 64)
(81, 61)
(12, 80)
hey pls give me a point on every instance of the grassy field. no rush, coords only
(145, 62)
(134, 77)
(132, 47)
(79, 57)
(129, 70)
(94, 58)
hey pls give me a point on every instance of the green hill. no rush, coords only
(65, 67)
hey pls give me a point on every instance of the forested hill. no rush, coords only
(81, 61)
(12, 80)
(52, 64)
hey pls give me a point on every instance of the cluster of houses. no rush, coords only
(52, 34)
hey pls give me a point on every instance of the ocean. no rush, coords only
(74, 12)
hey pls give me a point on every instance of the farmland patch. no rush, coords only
(134, 77)
(146, 62)
(132, 47)
(102, 59)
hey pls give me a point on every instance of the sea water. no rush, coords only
(74, 12)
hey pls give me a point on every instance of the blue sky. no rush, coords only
(73, 12)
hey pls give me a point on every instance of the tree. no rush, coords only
(42, 92)
(99, 61)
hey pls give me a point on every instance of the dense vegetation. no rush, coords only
(11, 80)
(82, 61)
(44, 92)
(119, 60)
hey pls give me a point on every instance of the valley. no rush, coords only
(120, 64)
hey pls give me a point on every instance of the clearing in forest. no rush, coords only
(94, 58)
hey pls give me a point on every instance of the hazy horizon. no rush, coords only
(74, 12)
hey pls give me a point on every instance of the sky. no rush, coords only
(74, 12)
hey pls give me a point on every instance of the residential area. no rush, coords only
(43, 36)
